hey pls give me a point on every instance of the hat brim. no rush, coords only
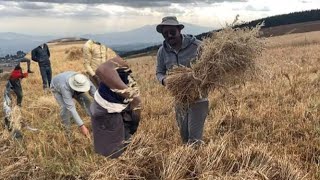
(160, 26)
(84, 88)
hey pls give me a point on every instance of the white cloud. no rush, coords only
(43, 18)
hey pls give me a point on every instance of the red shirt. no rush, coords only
(17, 74)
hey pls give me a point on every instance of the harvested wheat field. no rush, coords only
(266, 128)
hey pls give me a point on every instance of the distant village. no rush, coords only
(9, 61)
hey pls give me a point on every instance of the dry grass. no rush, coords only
(258, 130)
(226, 58)
(5, 76)
(74, 53)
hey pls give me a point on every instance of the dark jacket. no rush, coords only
(167, 57)
(41, 55)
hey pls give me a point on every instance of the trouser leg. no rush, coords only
(182, 121)
(64, 112)
(197, 115)
(49, 74)
(84, 101)
(28, 65)
(44, 77)
(17, 89)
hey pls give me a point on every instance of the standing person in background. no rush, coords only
(66, 86)
(41, 54)
(13, 84)
(94, 54)
(180, 49)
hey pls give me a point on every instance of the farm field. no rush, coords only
(266, 128)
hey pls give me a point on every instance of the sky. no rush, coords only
(76, 17)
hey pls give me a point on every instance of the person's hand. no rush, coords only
(24, 75)
(84, 131)
(135, 103)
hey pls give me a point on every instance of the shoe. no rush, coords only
(29, 71)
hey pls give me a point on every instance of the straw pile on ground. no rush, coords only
(73, 53)
(225, 59)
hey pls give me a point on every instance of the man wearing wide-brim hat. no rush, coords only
(66, 86)
(179, 50)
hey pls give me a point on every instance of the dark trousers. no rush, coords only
(84, 101)
(191, 121)
(17, 89)
(46, 75)
(110, 130)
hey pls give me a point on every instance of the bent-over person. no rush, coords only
(115, 110)
(71, 85)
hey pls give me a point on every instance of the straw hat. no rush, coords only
(169, 21)
(79, 82)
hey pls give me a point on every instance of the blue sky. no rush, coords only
(76, 17)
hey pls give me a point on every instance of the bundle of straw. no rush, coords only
(73, 53)
(225, 58)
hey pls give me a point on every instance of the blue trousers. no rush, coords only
(46, 74)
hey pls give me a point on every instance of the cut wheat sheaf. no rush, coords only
(225, 58)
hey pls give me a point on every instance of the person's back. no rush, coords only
(41, 55)
(60, 81)
(95, 54)
(71, 85)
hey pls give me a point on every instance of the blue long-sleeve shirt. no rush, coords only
(61, 86)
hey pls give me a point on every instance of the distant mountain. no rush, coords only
(131, 40)
(139, 38)
(10, 42)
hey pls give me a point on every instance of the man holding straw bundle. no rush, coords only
(179, 50)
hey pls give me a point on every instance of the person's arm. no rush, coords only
(34, 55)
(161, 69)
(48, 50)
(87, 56)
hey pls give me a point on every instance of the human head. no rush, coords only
(79, 82)
(170, 28)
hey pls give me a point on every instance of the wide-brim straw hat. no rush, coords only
(169, 21)
(79, 82)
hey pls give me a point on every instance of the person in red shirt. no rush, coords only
(13, 84)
